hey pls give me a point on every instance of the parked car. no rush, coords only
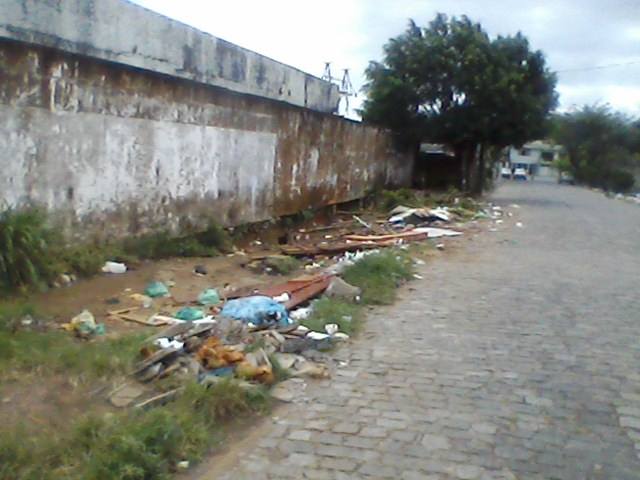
(520, 174)
(567, 178)
(505, 172)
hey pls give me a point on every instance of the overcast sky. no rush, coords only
(576, 35)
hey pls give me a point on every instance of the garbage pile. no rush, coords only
(404, 225)
(218, 348)
(255, 334)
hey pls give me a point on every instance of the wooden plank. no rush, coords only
(410, 235)
(329, 249)
(127, 315)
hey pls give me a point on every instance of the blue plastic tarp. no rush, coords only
(258, 310)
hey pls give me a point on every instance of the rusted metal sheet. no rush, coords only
(300, 290)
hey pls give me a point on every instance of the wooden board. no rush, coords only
(128, 315)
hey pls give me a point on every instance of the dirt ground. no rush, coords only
(108, 292)
(49, 402)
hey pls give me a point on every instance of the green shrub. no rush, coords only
(327, 310)
(25, 256)
(140, 447)
(281, 264)
(207, 243)
(379, 275)
(32, 254)
(138, 444)
(215, 237)
(620, 181)
(24, 457)
(392, 198)
(84, 259)
(148, 444)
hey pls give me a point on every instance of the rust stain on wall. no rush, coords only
(141, 151)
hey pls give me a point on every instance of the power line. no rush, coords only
(598, 67)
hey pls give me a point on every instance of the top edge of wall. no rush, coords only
(122, 32)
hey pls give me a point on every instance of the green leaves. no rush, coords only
(24, 242)
(602, 146)
(451, 83)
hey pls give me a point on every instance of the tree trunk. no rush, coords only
(469, 167)
(466, 155)
(480, 173)
(417, 181)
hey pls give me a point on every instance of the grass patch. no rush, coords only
(279, 372)
(282, 264)
(48, 351)
(54, 351)
(11, 313)
(133, 445)
(32, 254)
(84, 260)
(390, 199)
(208, 243)
(347, 316)
(379, 274)
(25, 244)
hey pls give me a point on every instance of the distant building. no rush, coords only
(531, 156)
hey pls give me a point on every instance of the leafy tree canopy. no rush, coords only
(602, 146)
(450, 83)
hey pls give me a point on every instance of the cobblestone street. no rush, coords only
(515, 357)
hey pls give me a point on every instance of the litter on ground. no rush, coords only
(251, 333)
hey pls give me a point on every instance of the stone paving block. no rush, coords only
(378, 471)
(328, 438)
(299, 435)
(486, 428)
(414, 475)
(361, 442)
(342, 464)
(295, 446)
(374, 432)
(300, 459)
(391, 424)
(468, 472)
(435, 442)
(630, 422)
(346, 427)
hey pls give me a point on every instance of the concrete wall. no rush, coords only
(115, 150)
(122, 32)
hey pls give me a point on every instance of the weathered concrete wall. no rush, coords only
(126, 33)
(116, 150)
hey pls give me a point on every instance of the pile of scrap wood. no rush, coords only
(404, 225)
(218, 346)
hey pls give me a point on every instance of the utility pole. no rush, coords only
(346, 90)
(345, 87)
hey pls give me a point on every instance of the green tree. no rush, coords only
(450, 83)
(603, 146)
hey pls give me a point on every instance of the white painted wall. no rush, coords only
(91, 163)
